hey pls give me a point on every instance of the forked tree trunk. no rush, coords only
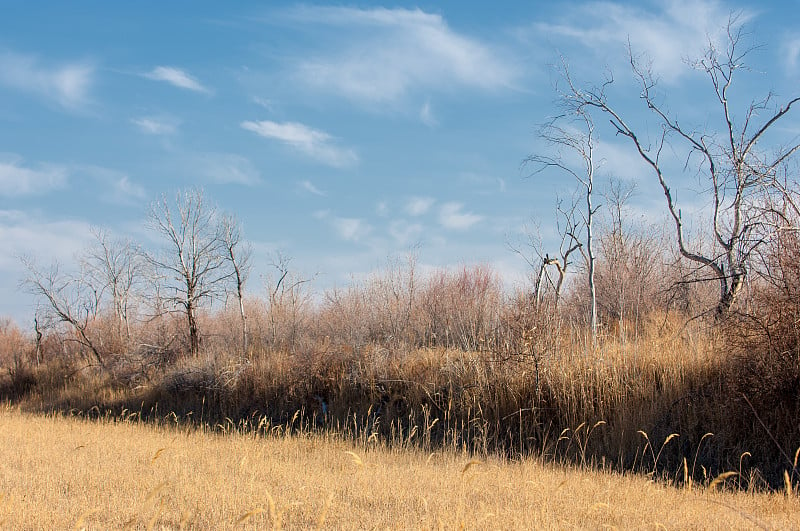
(729, 292)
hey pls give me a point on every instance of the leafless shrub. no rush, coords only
(461, 309)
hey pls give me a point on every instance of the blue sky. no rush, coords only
(340, 134)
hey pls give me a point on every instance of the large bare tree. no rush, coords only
(738, 171)
(193, 262)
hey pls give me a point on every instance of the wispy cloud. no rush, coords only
(25, 234)
(114, 186)
(348, 229)
(154, 125)
(417, 206)
(381, 55)
(18, 180)
(451, 216)
(67, 85)
(351, 229)
(791, 53)
(308, 186)
(125, 188)
(669, 33)
(312, 142)
(176, 77)
(405, 233)
(426, 115)
(266, 103)
(225, 168)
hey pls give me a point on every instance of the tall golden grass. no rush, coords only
(66, 473)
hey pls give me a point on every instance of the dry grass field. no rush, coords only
(69, 473)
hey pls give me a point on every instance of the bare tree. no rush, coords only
(192, 262)
(562, 134)
(238, 254)
(71, 300)
(568, 226)
(287, 298)
(740, 176)
(115, 267)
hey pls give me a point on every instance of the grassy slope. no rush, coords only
(58, 472)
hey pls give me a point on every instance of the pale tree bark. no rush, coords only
(741, 177)
(192, 262)
(574, 134)
(238, 254)
(568, 227)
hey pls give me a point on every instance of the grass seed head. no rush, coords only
(721, 479)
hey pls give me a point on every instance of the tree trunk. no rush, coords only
(194, 337)
(730, 292)
(38, 340)
(244, 319)
(539, 280)
(590, 253)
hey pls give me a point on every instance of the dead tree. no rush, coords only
(116, 268)
(238, 254)
(569, 141)
(287, 297)
(71, 300)
(739, 174)
(568, 227)
(192, 261)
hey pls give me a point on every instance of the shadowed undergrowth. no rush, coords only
(670, 405)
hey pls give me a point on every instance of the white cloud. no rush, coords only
(382, 209)
(38, 238)
(124, 187)
(418, 206)
(348, 229)
(117, 187)
(381, 55)
(676, 31)
(622, 162)
(154, 125)
(312, 142)
(23, 234)
(405, 233)
(17, 180)
(176, 77)
(225, 168)
(265, 103)
(791, 53)
(351, 229)
(452, 217)
(426, 115)
(68, 84)
(309, 187)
